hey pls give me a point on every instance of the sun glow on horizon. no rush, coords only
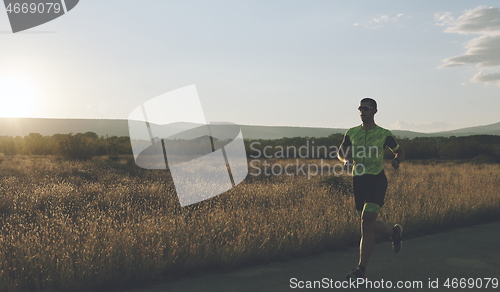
(18, 98)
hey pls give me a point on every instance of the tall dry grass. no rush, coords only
(102, 224)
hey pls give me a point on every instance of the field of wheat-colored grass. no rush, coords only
(102, 224)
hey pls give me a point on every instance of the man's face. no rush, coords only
(367, 111)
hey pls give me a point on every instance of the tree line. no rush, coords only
(81, 146)
(87, 145)
(466, 147)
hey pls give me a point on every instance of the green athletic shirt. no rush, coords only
(367, 148)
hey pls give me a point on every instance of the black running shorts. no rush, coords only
(369, 188)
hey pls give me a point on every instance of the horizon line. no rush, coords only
(282, 126)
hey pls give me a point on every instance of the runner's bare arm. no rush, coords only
(343, 154)
(399, 156)
(344, 150)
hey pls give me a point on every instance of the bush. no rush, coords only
(79, 147)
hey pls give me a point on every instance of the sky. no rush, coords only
(431, 65)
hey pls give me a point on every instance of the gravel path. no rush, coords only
(469, 253)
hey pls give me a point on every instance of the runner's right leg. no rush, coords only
(367, 243)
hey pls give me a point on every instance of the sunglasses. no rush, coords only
(364, 107)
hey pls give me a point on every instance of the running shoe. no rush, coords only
(355, 274)
(397, 231)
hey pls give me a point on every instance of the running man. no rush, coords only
(363, 149)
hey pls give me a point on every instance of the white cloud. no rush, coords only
(379, 21)
(492, 78)
(426, 127)
(482, 51)
(382, 18)
(444, 18)
(480, 20)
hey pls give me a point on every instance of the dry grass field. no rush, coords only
(102, 224)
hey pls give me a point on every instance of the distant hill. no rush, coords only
(49, 127)
(103, 127)
(493, 129)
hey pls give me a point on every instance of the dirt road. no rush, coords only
(471, 253)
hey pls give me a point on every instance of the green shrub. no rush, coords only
(79, 147)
